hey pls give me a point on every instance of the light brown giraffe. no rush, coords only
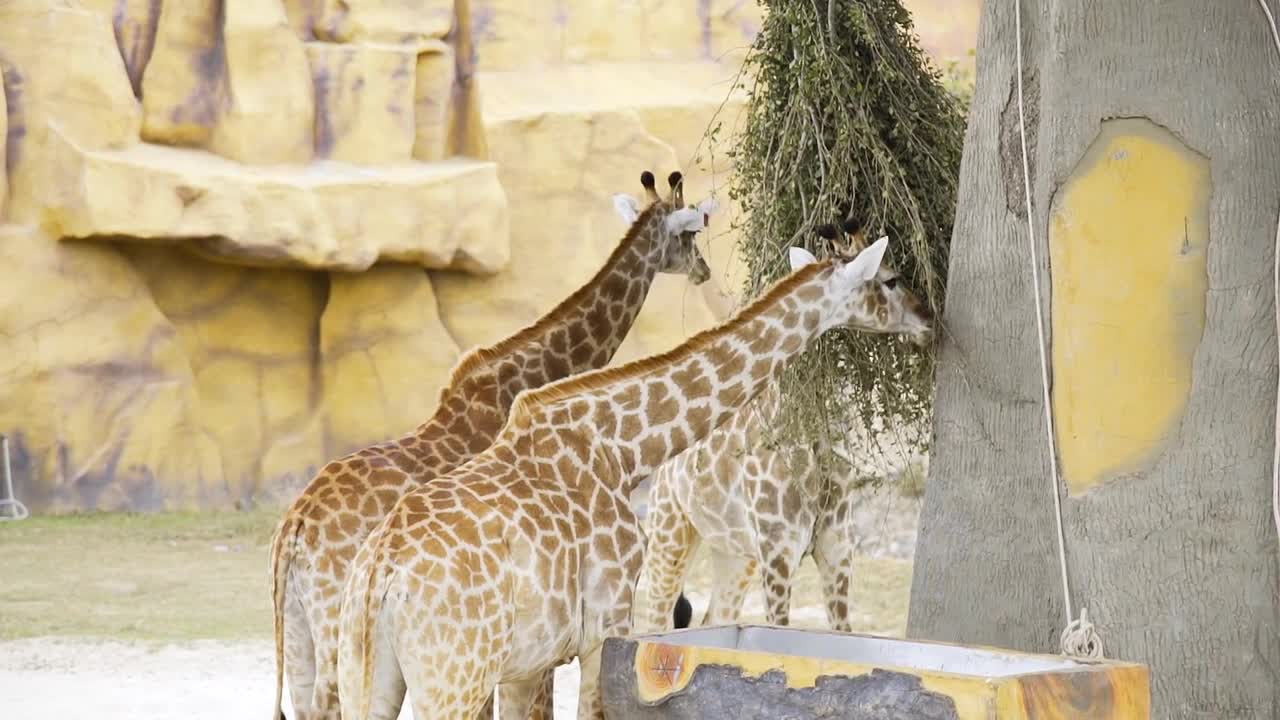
(528, 555)
(321, 531)
(757, 505)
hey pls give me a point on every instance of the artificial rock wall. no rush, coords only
(241, 237)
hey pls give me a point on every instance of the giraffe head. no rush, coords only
(678, 226)
(872, 296)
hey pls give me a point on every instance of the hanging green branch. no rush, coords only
(846, 117)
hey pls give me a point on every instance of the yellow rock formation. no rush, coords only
(448, 214)
(246, 236)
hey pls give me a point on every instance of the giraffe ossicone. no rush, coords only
(321, 531)
(527, 556)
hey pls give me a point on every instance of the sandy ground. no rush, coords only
(44, 679)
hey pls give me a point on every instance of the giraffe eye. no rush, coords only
(891, 283)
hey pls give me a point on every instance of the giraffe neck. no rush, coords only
(646, 412)
(582, 333)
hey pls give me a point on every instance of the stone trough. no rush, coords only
(750, 671)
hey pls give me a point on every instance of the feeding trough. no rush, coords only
(740, 672)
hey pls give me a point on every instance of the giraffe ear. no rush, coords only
(864, 267)
(800, 257)
(684, 220)
(627, 207)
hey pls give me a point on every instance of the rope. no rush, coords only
(1079, 638)
(19, 511)
(1275, 459)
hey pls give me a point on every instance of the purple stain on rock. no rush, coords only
(704, 22)
(209, 97)
(12, 85)
(484, 23)
(135, 39)
(324, 135)
(561, 15)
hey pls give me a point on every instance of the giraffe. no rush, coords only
(757, 507)
(528, 555)
(322, 529)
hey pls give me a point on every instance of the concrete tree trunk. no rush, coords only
(1153, 135)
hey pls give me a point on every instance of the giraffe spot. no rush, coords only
(635, 296)
(734, 395)
(762, 369)
(616, 311)
(780, 568)
(663, 407)
(698, 419)
(557, 367)
(598, 316)
(679, 439)
(604, 549)
(733, 364)
(604, 420)
(558, 342)
(691, 381)
(631, 425)
(580, 355)
(653, 451)
(808, 293)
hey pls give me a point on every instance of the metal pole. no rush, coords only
(20, 511)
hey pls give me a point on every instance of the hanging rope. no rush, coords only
(8, 503)
(1079, 638)
(1275, 458)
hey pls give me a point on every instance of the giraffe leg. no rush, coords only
(528, 700)
(453, 688)
(734, 576)
(672, 542)
(323, 703)
(833, 554)
(300, 656)
(590, 704)
(779, 565)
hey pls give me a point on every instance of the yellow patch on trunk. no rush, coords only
(1127, 237)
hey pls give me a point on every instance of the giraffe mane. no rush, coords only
(529, 400)
(479, 357)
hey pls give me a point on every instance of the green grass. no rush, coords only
(165, 576)
(186, 576)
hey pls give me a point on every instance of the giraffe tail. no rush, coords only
(682, 613)
(372, 610)
(281, 557)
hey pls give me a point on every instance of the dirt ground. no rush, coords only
(161, 615)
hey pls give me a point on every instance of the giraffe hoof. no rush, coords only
(683, 612)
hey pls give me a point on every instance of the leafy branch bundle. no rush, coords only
(847, 118)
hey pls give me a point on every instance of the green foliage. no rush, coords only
(846, 117)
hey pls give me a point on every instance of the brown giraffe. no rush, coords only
(756, 505)
(321, 531)
(528, 555)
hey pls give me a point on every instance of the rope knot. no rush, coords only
(1080, 638)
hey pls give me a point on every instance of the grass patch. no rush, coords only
(185, 576)
(162, 576)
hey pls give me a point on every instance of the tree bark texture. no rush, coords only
(1176, 558)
